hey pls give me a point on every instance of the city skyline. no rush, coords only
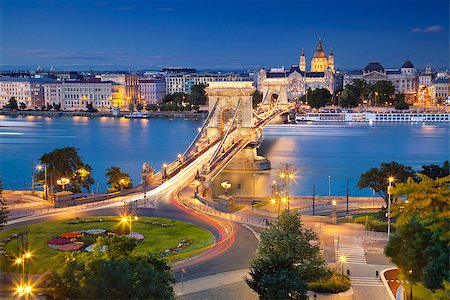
(111, 35)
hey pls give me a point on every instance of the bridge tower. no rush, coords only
(230, 96)
(274, 90)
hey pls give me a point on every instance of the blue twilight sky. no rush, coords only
(220, 34)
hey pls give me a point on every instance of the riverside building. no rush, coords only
(26, 90)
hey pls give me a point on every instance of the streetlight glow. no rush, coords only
(342, 258)
(19, 260)
(28, 255)
(124, 219)
(272, 201)
(334, 202)
(391, 179)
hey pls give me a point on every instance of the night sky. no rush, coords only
(108, 34)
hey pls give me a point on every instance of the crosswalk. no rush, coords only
(354, 253)
(365, 281)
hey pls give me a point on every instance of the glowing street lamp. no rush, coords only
(63, 182)
(129, 218)
(389, 192)
(226, 185)
(342, 259)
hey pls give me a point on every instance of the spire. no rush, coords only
(331, 51)
(303, 52)
(319, 45)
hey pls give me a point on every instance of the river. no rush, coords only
(317, 150)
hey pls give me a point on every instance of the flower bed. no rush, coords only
(84, 239)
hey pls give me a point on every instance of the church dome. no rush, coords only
(408, 65)
(319, 53)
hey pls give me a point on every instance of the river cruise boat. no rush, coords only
(137, 115)
(394, 116)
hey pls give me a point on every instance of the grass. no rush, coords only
(157, 239)
(422, 293)
(336, 283)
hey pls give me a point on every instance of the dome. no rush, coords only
(374, 66)
(408, 65)
(319, 53)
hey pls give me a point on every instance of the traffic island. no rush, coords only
(158, 235)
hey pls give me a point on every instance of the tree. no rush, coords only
(49, 107)
(383, 91)
(90, 107)
(118, 180)
(349, 97)
(435, 171)
(377, 178)
(401, 105)
(257, 98)
(288, 256)
(12, 103)
(57, 106)
(3, 208)
(100, 275)
(414, 247)
(360, 88)
(23, 105)
(318, 98)
(428, 199)
(139, 107)
(67, 163)
(198, 94)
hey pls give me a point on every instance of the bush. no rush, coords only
(334, 284)
(371, 223)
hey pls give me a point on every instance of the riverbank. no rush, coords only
(50, 114)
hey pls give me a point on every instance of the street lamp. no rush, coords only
(334, 206)
(389, 191)
(226, 185)
(39, 168)
(63, 182)
(122, 182)
(342, 259)
(129, 218)
(410, 284)
(329, 187)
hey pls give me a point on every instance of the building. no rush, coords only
(128, 91)
(404, 79)
(299, 80)
(76, 95)
(53, 93)
(181, 82)
(440, 88)
(152, 91)
(27, 90)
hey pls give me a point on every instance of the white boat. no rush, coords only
(137, 115)
(391, 116)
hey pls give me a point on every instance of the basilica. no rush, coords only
(299, 79)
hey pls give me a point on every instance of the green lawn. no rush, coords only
(422, 293)
(157, 239)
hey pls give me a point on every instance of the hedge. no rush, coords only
(334, 284)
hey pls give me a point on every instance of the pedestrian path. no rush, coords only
(354, 252)
(365, 281)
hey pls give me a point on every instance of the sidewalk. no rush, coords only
(209, 282)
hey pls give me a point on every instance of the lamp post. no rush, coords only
(389, 191)
(63, 182)
(129, 218)
(329, 187)
(226, 185)
(122, 182)
(287, 174)
(410, 284)
(39, 168)
(342, 259)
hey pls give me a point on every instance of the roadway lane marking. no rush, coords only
(252, 230)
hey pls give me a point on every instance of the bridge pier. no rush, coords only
(248, 160)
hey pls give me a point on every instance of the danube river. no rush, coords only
(317, 150)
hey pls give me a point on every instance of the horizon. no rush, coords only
(150, 35)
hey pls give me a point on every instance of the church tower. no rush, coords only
(302, 64)
(319, 63)
(331, 60)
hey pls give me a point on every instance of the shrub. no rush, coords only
(334, 284)
(371, 223)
